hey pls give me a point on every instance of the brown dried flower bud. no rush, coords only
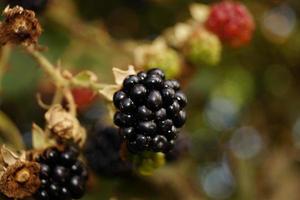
(64, 125)
(20, 180)
(20, 26)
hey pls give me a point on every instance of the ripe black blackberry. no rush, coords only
(62, 175)
(102, 152)
(150, 111)
(35, 5)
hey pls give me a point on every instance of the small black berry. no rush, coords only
(161, 114)
(154, 82)
(42, 195)
(154, 100)
(176, 85)
(45, 171)
(54, 190)
(77, 187)
(142, 76)
(144, 113)
(168, 95)
(141, 142)
(138, 93)
(51, 155)
(123, 120)
(60, 174)
(118, 97)
(68, 158)
(147, 128)
(157, 71)
(128, 133)
(159, 143)
(179, 119)
(44, 183)
(64, 193)
(174, 108)
(130, 81)
(165, 125)
(127, 105)
(181, 98)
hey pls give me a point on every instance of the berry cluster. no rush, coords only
(62, 175)
(102, 152)
(150, 109)
(232, 22)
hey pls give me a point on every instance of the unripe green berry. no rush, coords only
(203, 48)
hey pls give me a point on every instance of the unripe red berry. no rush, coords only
(232, 22)
(83, 96)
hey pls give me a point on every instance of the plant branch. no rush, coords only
(54, 73)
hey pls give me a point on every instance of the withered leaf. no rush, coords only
(9, 157)
(120, 74)
(40, 139)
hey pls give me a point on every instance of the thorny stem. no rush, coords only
(70, 99)
(63, 84)
(47, 67)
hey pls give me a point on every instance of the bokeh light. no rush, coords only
(217, 180)
(246, 142)
(278, 23)
(221, 113)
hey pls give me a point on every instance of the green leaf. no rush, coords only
(85, 77)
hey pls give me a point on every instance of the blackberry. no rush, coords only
(62, 175)
(35, 5)
(102, 152)
(150, 111)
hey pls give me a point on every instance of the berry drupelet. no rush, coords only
(232, 22)
(62, 175)
(102, 152)
(150, 111)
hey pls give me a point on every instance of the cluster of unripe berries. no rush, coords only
(62, 175)
(150, 111)
(231, 22)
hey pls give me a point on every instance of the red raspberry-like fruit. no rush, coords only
(232, 22)
(83, 96)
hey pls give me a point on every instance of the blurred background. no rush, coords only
(242, 137)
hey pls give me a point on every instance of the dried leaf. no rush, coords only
(40, 139)
(108, 91)
(199, 12)
(120, 74)
(9, 157)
